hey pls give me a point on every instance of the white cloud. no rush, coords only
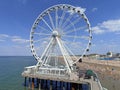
(4, 36)
(20, 40)
(17, 39)
(107, 26)
(14, 51)
(97, 30)
(94, 9)
(19, 45)
(111, 25)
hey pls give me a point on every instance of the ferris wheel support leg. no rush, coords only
(48, 46)
(63, 53)
(68, 56)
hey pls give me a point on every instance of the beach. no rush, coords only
(108, 71)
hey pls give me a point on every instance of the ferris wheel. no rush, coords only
(60, 36)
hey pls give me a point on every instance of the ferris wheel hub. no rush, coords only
(55, 33)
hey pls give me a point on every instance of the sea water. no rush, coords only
(11, 68)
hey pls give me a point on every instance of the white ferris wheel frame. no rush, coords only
(46, 12)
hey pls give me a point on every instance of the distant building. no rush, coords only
(109, 54)
(94, 56)
(118, 55)
(115, 56)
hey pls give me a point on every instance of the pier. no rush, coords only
(57, 82)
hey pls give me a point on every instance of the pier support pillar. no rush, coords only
(67, 86)
(74, 86)
(39, 84)
(33, 84)
(60, 86)
(80, 87)
(46, 84)
(64, 86)
(29, 82)
(51, 85)
(25, 83)
(42, 83)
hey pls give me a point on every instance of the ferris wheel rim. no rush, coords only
(59, 6)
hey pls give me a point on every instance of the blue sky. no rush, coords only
(17, 17)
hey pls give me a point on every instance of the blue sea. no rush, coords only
(11, 68)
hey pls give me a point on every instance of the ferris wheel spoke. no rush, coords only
(47, 55)
(80, 37)
(56, 17)
(72, 25)
(42, 28)
(47, 60)
(77, 29)
(42, 34)
(46, 49)
(39, 47)
(46, 38)
(68, 19)
(62, 18)
(47, 24)
(51, 20)
(67, 41)
(70, 51)
(69, 25)
(75, 45)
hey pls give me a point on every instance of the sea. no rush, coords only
(11, 68)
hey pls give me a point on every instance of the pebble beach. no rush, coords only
(107, 71)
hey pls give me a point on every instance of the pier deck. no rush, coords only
(92, 81)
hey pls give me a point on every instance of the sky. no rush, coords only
(17, 17)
